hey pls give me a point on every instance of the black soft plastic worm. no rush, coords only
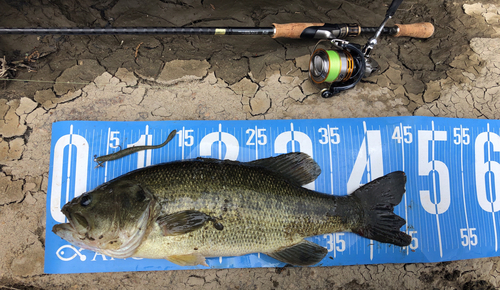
(122, 153)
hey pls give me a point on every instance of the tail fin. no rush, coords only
(378, 199)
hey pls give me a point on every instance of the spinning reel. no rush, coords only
(344, 64)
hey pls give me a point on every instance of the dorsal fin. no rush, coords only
(298, 167)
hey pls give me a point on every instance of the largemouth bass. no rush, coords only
(185, 211)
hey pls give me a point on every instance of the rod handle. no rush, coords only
(417, 30)
(292, 30)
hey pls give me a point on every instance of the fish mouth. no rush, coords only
(62, 230)
(77, 225)
(78, 222)
(67, 232)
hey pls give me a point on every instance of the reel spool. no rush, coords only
(342, 64)
(330, 66)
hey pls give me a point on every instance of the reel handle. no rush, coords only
(417, 30)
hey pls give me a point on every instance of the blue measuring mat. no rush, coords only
(452, 193)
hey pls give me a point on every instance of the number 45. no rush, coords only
(402, 133)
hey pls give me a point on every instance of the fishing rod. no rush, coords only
(289, 30)
(334, 60)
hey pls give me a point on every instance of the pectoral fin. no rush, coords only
(182, 222)
(304, 253)
(188, 260)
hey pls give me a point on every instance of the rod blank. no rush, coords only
(141, 30)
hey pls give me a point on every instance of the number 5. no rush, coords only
(114, 138)
(428, 167)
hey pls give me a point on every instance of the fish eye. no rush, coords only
(86, 200)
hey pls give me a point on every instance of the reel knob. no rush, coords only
(325, 93)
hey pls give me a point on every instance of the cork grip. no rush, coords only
(292, 30)
(417, 30)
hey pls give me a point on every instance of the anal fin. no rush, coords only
(188, 260)
(304, 253)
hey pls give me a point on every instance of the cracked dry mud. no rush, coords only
(456, 73)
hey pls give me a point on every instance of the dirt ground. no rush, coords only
(455, 73)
